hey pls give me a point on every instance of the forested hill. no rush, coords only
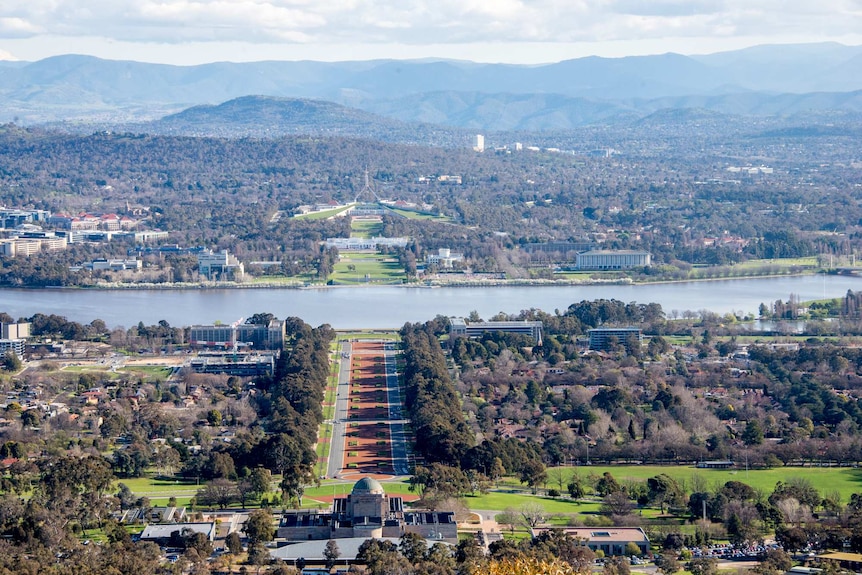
(265, 116)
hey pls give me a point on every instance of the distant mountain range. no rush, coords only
(764, 80)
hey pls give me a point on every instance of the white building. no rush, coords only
(444, 258)
(220, 266)
(363, 244)
(479, 143)
(613, 259)
(114, 265)
(16, 345)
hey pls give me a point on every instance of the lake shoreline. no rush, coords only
(498, 283)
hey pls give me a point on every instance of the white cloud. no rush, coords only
(426, 22)
(14, 27)
(4, 55)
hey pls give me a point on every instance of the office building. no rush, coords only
(459, 327)
(255, 336)
(220, 266)
(479, 143)
(606, 338)
(613, 260)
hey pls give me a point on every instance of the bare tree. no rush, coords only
(531, 516)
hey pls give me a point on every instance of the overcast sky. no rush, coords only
(517, 31)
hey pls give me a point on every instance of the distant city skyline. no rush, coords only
(187, 32)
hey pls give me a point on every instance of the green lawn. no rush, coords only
(324, 214)
(411, 215)
(152, 372)
(366, 228)
(390, 336)
(158, 491)
(780, 262)
(323, 447)
(85, 368)
(147, 372)
(286, 281)
(845, 480)
(574, 274)
(365, 268)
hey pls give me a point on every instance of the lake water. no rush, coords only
(391, 307)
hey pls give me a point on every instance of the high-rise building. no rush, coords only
(479, 143)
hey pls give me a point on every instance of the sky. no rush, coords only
(187, 32)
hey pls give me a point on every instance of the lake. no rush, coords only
(391, 307)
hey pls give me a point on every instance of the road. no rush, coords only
(394, 417)
(339, 424)
(397, 425)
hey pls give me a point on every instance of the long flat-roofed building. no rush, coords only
(243, 365)
(461, 327)
(362, 244)
(609, 540)
(613, 260)
(165, 533)
(257, 336)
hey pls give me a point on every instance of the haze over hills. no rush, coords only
(765, 80)
(268, 116)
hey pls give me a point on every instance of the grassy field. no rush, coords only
(158, 491)
(323, 448)
(324, 214)
(574, 275)
(510, 493)
(809, 262)
(287, 281)
(149, 373)
(152, 372)
(367, 268)
(387, 335)
(845, 480)
(366, 228)
(411, 215)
